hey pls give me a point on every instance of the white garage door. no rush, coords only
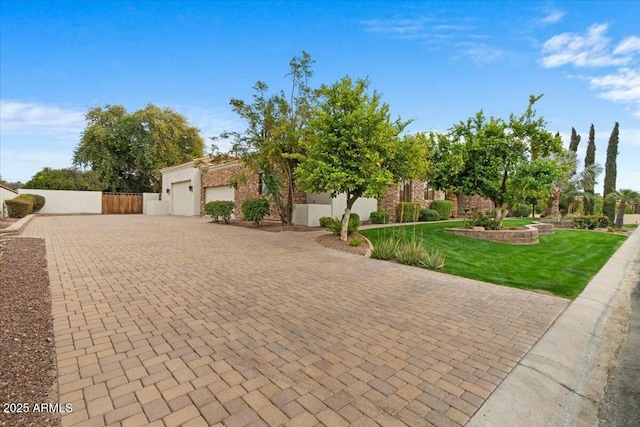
(181, 199)
(222, 192)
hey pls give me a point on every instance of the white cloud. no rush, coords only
(589, 50)
(628, 45)
(25, 118)
(481, 53)
(622, 86)
(552, 17)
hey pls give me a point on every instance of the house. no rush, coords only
(187, 187)
(6, 193)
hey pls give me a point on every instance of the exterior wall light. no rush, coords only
(191, 188)
(168, 191)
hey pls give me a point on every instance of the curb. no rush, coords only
(16, 228)
(561, 381)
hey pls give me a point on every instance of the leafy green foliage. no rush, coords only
(127, 151)
(482, 155)
(589, 160)
(325, 221)
(379, 217)
(356, 241)
(610, 174)
(487, 220)
(589, 222)
(220, 209)
(353, 146)
(275, 125)
(335, 225)
(429, 215)
(255, 210)
(37, 200)
(625, 197)
(521, 211)
(19, 208)
(407, 212)
(444, 208)
(65, 179)
(570, 257)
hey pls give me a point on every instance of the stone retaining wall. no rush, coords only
(525, 236)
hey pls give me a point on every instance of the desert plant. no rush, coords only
(411, 252)
(335, 225)
(379, 217)
(589, 222)
(19, 208)
(429, 215)
(220, 209)
(407, 212)
(624, 197)
(444, 208)
(356, 241)
(434, 261)
(255, 210)
(385, 248)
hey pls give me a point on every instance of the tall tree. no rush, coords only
(354, 147)
(589, 161)
(610, 173)
(65, 179)
(127, 151)
(573, 144)
(482, 155)
(276, 124)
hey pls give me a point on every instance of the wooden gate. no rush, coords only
(121, 203)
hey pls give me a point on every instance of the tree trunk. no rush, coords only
(344, 232)
(620, 217)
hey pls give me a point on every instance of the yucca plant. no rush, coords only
(411, 252)
(434, 261)
(385, 248)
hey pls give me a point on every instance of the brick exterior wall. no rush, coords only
(391, 197)
(247, 188)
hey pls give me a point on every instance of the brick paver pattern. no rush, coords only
(168, 321)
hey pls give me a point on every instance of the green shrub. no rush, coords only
(220, 209)
(429, 215)
(480, 219)
(255, 210)
(407, 212)
(521, 211)
(590, 222)
(325, 221)
(36, 199)
(385, 248)
(356, 241)
(411, 252)
(379, 217)
(19, 208)
(444, 208)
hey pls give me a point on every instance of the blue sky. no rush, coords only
(434, 62)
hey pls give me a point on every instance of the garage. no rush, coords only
(181, 199)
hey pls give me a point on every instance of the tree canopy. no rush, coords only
(610, 174)
(127, 151)
(485, 156)
(354, 147)
(275, 125)
(65, 179)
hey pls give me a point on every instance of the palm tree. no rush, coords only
(624, 197)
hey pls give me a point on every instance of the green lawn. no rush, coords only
(562, 263)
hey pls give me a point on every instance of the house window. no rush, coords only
(429, 193)
(262, 185)
(406, 192)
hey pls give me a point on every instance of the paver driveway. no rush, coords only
(176, 321)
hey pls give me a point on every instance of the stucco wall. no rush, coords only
(5, 194)
(182, 173)
(68, 202)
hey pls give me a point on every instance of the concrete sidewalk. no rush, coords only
(561, 381)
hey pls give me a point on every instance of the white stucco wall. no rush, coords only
(319, 205)
(5, 194)
(179, 174)
(68, 202)
(310, 214)
(363, 206)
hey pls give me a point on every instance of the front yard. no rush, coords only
(562, 263)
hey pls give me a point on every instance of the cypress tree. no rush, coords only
(573, 145)
(589, 159)
(610, 172)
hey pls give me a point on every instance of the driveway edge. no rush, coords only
(561, 381)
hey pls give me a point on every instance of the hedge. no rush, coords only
(407, 212)
(444, 208)
(19, 208)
